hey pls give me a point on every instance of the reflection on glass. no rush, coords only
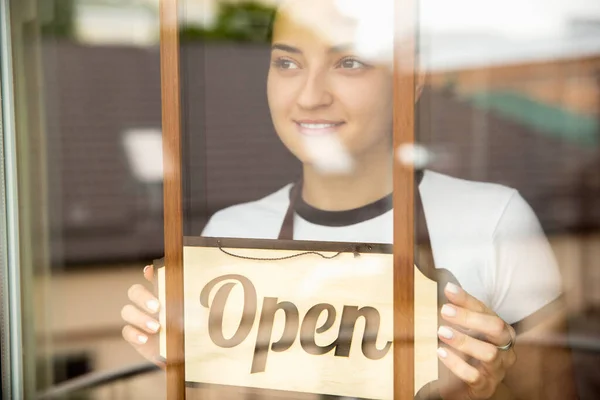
(511, 97)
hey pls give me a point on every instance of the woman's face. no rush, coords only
(320, 92)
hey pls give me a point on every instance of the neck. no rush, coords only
(369, 181)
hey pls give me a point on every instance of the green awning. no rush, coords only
(545, 118)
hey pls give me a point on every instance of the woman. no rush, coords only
(332, 108)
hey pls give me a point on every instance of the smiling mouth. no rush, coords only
(318, 128)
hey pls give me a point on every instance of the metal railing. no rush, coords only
(97, 379)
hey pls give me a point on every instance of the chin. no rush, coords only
(327, 154)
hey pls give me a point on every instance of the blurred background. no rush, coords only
(512, 97)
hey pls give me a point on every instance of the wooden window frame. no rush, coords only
(403, 198)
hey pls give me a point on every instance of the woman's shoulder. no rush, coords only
(479, 206)
(259, 219)
(438, 183)
(489, 237)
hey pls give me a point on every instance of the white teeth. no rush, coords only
(317, 126)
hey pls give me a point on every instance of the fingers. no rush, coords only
(149, 273)
(140, 341)
(141, 297)
(134, 336)
(463, 299)
(139, 319)
(469, 313)
(479, 384)
(459, 367)
(495, 330)
(482, 351)
(141, 326)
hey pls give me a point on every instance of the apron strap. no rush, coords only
(423, 256)
(286, 232)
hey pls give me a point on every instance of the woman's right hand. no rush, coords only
(141, 319)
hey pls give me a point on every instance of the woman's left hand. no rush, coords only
(480, 335)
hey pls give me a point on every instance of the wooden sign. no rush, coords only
(298, 317)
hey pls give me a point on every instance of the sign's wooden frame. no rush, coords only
(404, 125)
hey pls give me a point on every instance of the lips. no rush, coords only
(320, 127)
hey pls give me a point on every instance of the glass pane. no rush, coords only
(232, 154)
(246, 140)
(287, 125)
(87, 106)
(512, 98)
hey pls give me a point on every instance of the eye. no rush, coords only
(284, 63)
(351, 63)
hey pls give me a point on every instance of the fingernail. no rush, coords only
(448, 310)
(142, 339)
(445, 332)
(442, 353)
(153, 325)
(452, 288)
(153, 305)
(146, 268)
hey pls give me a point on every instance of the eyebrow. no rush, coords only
(340, 48)
(286, 48)
(291, 49)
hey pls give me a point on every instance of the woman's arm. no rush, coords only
(524, 300)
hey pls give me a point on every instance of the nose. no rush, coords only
(315, 92)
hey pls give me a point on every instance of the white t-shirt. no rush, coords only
(485, 234)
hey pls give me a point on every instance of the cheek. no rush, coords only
(281, 102)
(368, 104)
(280, 97)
